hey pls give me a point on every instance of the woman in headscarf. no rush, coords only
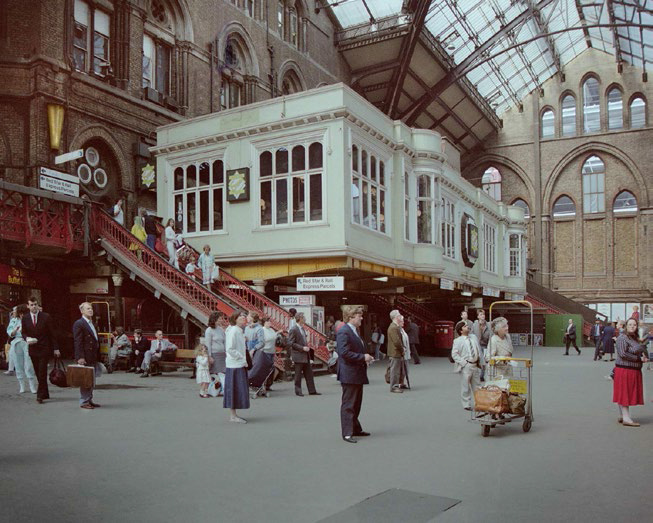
(500, 345)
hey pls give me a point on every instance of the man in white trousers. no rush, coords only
(468, 357)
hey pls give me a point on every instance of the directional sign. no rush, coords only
(56, 181)
(67, 157)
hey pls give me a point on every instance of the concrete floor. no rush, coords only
(157, 452)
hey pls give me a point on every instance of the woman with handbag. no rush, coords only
(236, 386)
(500, 345)
(19, 350)
(628, 388)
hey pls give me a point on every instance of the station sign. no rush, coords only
(447, 285)
(321, 283)
(297, 299)
(491, 291)
(56, 181)
(67, 157)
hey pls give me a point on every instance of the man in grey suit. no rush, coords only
(158, 346)
(570, 337)
(300, 356)
(87, 351)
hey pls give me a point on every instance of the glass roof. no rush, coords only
(505, 79)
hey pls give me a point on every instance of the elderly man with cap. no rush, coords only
(396, 351)
(466, 353)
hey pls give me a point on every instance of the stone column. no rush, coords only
(117, 294)
(259, 285)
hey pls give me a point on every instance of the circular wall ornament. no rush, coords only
(92, 156)
(100, 177)
(84, 173)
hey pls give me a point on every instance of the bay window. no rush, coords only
(199, 193)
(448, 228)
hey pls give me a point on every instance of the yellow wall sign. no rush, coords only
(519, 386)
(238, 185)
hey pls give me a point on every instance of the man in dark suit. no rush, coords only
(570, 337)
(412, 329)
(352, 372)
(87, 351)
(140, 346)
(300, 356)
(597, 336)
(38, 325)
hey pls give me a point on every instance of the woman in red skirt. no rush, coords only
(628, 388)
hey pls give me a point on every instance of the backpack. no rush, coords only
(281, 341)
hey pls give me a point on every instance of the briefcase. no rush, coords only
(80, 376)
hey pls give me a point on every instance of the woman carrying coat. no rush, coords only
(19, 350)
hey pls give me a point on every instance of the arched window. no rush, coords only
(637, 113)
(291, 82)
(235, 64)
(281, 14)
(547, 126)
(593, 185)
(564, 206)
(568, 116)
(523, 205)
(625, 202)
(491, 182)
(615, 110)
(591, 106)
(293, 27)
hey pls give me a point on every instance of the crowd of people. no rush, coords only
(237, 355)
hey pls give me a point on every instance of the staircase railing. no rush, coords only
(242, 295)
(195, 295)
(415, 309)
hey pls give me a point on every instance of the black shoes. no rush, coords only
(315, 394)
(350, 439)
(361, 434)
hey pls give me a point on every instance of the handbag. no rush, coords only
(58, 374)
(491, 399)
(80, 376)
(517, 404)
(160, 248)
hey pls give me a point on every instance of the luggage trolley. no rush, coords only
(519, 379)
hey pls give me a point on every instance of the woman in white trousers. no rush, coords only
(22, 361)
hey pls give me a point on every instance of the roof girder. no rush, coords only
(453, 74)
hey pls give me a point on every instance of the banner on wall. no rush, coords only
(469, 243)
(238, 185)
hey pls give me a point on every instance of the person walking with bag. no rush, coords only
(628, 387)
(87, 352)
(20, 352)
(37, 325)
(570, 337)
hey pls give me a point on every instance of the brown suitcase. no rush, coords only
(80, 376)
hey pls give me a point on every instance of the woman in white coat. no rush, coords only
(170, 243)
(23, 363)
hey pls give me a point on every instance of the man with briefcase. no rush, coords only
(87, 354)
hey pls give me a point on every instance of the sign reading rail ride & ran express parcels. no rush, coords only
(321, 283)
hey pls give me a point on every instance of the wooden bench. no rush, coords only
(183, 358)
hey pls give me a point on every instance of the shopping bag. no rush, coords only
(491, 399)
(499, 381)
(215, 387)
(80, 376)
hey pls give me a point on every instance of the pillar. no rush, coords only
(117, 294)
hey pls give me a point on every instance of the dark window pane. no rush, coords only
(265, 163)
(266, 203)
(217, 209)
(298, 158)
(316, 196)
(204, 174)
(100, 53)
(364, 163)
(373, 167)
(281, 161)
(354, 159)
(382, 211)
(381, 173)
(218, 172)
(315, 156)
(204, 210)
(191, 175)
(179, 178)
(299, 214)
(191, 212)
(162, 68)
(282, 201)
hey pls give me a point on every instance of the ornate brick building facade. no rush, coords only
(578, 156)
(111, 71)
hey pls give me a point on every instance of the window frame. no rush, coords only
(611, 116)
(563, 98)
(596, 179)
(492, 187)
(552, 125)
(90, 57)
(637, 96)
(289, 176)
(186, 190)
(515, 255)
(628, 210)
(490, 232)
(448, 228)
(588, 108)
(565, 215)
(364, 175)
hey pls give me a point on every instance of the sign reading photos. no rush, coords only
(238, 185)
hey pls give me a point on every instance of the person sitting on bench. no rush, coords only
(158, 346)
